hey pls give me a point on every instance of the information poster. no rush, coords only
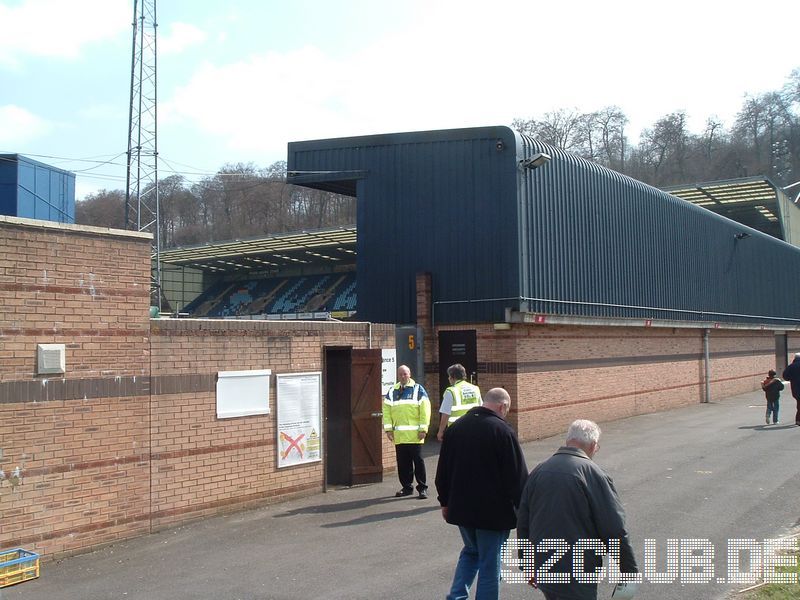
(299, 434)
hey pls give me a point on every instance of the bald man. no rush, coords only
(406, 416)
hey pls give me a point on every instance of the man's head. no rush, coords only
(585, 435)
(403, 374)
(771, 373)
(456, 372)
(497, 400)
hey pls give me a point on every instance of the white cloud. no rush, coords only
(180, 37)
(462, 64)
(54, 28)
(259, 103)
(19, 126)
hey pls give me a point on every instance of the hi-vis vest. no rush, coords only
(465, 396)
(406, 412)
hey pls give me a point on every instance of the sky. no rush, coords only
(239, 79)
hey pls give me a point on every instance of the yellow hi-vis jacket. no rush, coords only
(465, 396)
(406, 412)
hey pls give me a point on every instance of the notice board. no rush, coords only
(242, 393)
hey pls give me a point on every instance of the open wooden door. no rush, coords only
(366, 414)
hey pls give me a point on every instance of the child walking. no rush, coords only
(772, 389)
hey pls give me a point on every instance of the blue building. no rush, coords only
(34, 190)
(510, 227)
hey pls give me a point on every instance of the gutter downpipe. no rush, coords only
(707, 364)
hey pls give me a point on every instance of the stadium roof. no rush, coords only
(319, 247)
(751, 201)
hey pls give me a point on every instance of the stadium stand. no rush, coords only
(277, 296)
(304, 274)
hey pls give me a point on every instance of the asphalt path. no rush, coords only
(707, 472)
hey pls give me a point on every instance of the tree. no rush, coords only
(103, 209)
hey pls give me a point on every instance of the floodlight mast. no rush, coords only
(141, 191)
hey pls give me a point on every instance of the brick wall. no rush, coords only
(81, 438)
(556, 373)
(202, 464)
(127, 439)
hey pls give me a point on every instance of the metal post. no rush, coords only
(707, 361)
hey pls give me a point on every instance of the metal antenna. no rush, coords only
(141, 191)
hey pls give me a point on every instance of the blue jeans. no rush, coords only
(772, 407)
(480, 555)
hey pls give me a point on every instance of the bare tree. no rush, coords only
(103, 209)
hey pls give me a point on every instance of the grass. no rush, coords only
(776, 591)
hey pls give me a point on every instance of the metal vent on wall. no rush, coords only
(50, 358)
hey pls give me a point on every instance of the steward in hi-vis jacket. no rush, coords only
(406, 416)
(457, 399)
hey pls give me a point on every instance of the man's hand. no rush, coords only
(444, 513)
(390, 435)
(421, 435)
(440, 435)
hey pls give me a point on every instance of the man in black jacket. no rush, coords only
(792, 373)
(569, 501)
(479, 479)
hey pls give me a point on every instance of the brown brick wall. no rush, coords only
(127, 439)
(556, 374)
(81, 438)
(202, 464)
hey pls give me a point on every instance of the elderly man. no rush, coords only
(406, 416)
(479, 479)
(569, 498)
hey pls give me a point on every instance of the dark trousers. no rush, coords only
(409, 464)
(797, 414)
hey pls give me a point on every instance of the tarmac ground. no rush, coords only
(712, 472)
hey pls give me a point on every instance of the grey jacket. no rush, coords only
(568, 497)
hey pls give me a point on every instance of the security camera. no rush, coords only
(535, 161)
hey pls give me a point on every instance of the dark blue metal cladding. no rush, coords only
(598, 244)
(443, 202)
(568, 238)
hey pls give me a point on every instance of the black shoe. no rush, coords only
(403, 493)
(423, 494)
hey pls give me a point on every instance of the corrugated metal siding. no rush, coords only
(568, 238)
(600, 244)
(439, 202)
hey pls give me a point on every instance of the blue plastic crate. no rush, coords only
(18, 565)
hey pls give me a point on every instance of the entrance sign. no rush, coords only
(388, 369)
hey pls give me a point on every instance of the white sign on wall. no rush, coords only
(242, 393)
(299, 433)
(388, 369)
